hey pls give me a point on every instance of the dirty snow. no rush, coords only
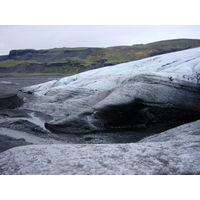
(176, 151)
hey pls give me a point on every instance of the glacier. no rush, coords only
(174, 152)
(134, 95)
(163, 88)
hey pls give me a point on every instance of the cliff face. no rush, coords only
(74, 60)
(50, 55)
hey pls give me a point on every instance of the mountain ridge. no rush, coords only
(69, 61)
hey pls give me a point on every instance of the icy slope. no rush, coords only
(176, 151)
(126, 95)
(177, 64)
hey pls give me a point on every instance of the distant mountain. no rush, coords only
(70, 61)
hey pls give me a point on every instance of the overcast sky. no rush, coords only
(54, 36)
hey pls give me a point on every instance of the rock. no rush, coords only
(10, 101)
(15, 53)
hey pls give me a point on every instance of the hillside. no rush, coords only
(70, 61)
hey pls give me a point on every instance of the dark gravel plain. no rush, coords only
(12, 84)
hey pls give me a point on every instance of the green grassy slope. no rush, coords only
(70, 61)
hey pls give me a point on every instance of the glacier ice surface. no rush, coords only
(76, 102)
(176, 151)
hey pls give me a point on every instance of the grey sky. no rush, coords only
(54, 36)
